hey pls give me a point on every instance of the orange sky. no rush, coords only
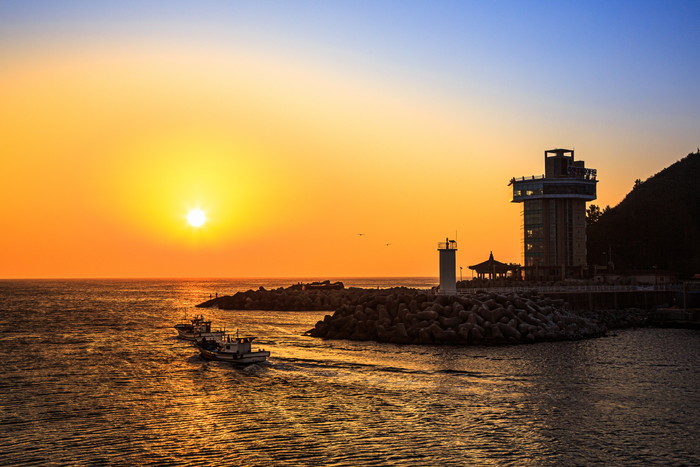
(108, 144)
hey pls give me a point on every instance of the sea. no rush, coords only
(93, 374)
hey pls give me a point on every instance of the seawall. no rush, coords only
(411, 316)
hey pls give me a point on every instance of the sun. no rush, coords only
(196, 217)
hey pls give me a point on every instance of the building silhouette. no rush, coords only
(554, 216)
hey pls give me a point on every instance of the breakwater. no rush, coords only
(480, 319)
(293, 298)
(411, 316)
(600, 297)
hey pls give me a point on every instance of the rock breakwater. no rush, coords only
(295, 298)
(411, 316)
(480, 319)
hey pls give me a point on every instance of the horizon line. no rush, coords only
(211, 278)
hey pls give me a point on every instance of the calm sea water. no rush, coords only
(92, 374)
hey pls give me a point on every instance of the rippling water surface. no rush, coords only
(93, 374)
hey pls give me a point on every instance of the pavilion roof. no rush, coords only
(491, 265)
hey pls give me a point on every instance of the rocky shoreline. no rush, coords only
(411, 316)
(293, 298)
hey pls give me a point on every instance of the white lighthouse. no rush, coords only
(448, 262)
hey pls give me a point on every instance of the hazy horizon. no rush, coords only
(276, 278)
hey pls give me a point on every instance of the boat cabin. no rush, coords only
(237, 344)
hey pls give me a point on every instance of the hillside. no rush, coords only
(656, 225)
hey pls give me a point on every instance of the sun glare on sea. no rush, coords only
(196, 218)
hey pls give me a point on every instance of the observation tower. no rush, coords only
(554, 216)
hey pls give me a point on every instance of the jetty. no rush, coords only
(474, 316)
(592, 297)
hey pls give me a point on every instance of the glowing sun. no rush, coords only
(196, 217)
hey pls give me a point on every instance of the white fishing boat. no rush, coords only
(231, 349)
(196, 328)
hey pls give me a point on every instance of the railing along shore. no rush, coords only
(576, 288)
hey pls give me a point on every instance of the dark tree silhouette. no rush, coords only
(656, 225)
(593, 213)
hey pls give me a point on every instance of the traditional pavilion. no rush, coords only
(492, 269)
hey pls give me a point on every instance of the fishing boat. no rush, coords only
(196, 328)
(231, 349)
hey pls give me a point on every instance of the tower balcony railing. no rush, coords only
(525, 179)
(451, 245)
(578, 174)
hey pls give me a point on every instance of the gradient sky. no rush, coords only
(297, 125)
